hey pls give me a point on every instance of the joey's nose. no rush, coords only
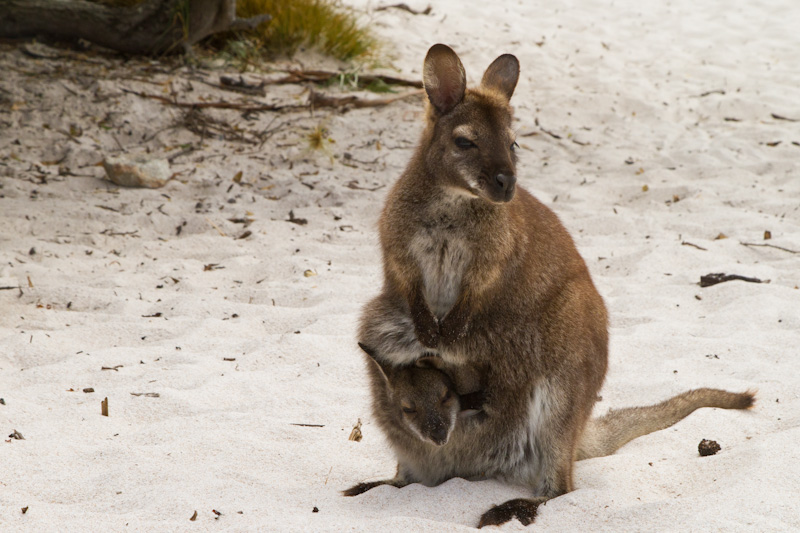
(439, 435)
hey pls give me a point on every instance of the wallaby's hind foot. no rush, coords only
(361, 488)
(522, 509)
(606, 434)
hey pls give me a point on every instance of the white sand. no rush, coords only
(626, 81)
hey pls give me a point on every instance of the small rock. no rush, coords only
(708, 447)
(16, 435)
(137, 172)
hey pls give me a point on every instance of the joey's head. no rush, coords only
(469, 143)
(421, 397)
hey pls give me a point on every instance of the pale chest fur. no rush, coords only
(442, 256)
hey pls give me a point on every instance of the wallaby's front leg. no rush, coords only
(455, 323)
(426, 325)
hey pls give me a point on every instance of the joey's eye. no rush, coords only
(447, 396)
(409, 410)
(514, 146)
(463, 142)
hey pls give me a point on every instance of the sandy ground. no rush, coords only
(653, 131)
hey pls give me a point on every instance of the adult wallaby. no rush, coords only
(480, 272)
(417, 406)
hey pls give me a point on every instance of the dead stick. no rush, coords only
(685, 243)
(405, 7)
(222, 233)
(321, 100)
(187, 150)
(314, 101)
(216, 105)
(770, 246)
(319, 76)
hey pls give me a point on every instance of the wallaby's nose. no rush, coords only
(505, 186)
(439, 435)
(505, 181)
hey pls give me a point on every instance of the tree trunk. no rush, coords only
(151, 26)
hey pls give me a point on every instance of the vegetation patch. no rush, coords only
(328, 26)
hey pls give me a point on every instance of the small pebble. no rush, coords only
(708, 447)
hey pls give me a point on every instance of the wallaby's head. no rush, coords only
(468, 142)
(421, 396)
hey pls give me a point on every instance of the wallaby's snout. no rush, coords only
(503, 187)
(437, 430)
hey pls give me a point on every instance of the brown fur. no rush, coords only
(483, 274)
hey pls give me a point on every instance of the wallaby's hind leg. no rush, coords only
(361, 488)
(522, 509)
(400, 480)
(549, 462)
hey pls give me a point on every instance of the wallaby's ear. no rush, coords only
(444, 78)
(502, 75)
(384, 368)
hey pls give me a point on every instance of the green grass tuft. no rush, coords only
(322, 24)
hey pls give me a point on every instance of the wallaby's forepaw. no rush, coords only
(452, 328)
(427, 330)
(521, 509)
(361, 488)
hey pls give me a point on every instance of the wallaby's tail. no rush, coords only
(606, 434)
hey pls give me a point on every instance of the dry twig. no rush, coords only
(770, 246)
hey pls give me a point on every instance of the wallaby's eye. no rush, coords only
(409, 410)
(464, 143)
(447, 396)
(514, 146)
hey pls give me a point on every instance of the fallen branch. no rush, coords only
(216, 105)
(239, 85)
(770, 246)
(404, 7)
(315, 100)
(323, 76)
(147, 26)
(685, 243)
(550, 133)
(778, 117)
(186, 150)
(712, 279)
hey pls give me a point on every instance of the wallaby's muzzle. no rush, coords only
(440, 435)
(501, 188)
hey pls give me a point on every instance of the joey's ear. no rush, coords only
(386, 370)
(502, 75)
(444, 78)
(430, 361)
